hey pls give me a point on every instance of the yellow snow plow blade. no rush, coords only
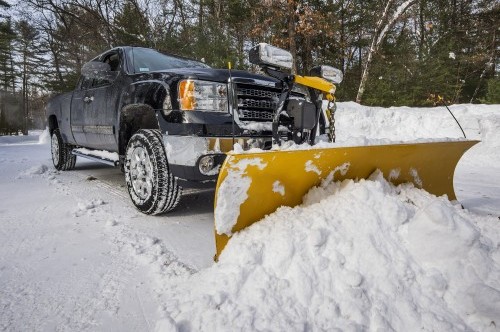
(252, 185)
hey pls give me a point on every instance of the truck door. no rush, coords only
(104, 96)
(80, 105)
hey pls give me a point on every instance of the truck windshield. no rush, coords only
(145, 60)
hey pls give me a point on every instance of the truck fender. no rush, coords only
(150, 92)
(132, 118)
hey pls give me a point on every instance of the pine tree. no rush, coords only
(131, 26)
(7, 35)
(30, 63)
(492, 95)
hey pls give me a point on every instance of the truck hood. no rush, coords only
(222, 75)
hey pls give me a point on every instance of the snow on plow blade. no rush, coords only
(252, 185)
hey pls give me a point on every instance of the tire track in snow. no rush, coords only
(88, 289)
(83, 298)
(145, 251)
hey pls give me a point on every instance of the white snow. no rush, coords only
(260, 126)
(184, 151)
(354, 121)
(35, 170)
(234, 191)
(356, 255)
(113, 156)
(279, 188)
(416, 178)
(44, 137)
(310, 167)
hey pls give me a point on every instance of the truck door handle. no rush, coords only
(88, 99)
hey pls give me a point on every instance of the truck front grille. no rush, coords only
(255, 115)
(256, 102)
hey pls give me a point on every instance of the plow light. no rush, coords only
(329, 73)
(266, 55)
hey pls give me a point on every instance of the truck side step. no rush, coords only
(105, 157)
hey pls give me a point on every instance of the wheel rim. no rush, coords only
(55, 149)
(141, 173)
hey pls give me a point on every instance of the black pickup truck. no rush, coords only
(168, 121)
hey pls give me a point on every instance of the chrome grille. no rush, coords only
(257, 93)
(252, 103)
(247, 114)
(256, 102)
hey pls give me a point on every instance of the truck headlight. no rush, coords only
(196, 95)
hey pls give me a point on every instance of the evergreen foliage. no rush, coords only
(493, 92)
(434, 47)
(7, 71)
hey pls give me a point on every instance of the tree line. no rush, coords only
(392, 52)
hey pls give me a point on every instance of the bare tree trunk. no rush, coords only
(422, 31)
(378, 37)
(488, 65)
(291, 33)
(342, 37)
(200, 16)
(25, 92)
(373, 49)
(12, 71)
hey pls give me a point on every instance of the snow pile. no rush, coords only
(487, 151)
(405, 123)
(355, 256)
(359, 125)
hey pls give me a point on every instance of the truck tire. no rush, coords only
(62, 158)
(151, 186)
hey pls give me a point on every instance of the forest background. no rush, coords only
(392, 52)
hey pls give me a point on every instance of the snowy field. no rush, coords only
(76, 256)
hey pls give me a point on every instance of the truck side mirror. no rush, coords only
(99, 70)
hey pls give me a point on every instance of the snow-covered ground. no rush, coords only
(75, 255)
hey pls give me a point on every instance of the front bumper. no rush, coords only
(188, 155)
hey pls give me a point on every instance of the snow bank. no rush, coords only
(408, 123)
(357, 124)
(31, 138)
(355, 256)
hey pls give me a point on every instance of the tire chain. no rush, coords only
(330, 114)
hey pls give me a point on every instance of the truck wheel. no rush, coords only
(62, 158)
(152, 187)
